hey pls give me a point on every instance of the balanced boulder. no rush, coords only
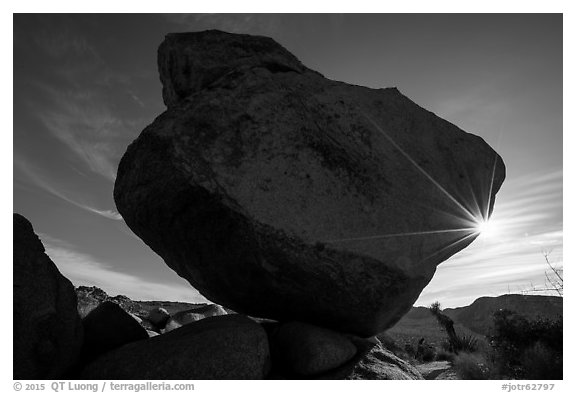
(226, 347)
(281, 194)
(47, 329)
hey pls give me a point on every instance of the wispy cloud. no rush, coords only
(74, 104)
(85, 269)
(37, 179)
(87, 127)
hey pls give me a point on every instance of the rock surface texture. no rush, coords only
(281, 194)
(226, 347)
(47, 329)
(383, 364)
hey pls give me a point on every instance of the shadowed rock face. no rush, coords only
(108, 327)
(47, 329)
(282, 194)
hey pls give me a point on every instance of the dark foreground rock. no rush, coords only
(226, 347)
(380, 363)
(108, 327)
(281, 194)
(301, 349)
(47, 329)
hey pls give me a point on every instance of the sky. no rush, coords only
(86, 85)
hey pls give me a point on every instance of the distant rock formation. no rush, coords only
(188, 316)
(159, 316)
(91, 297)
(47, 330)
(478, 316)
(282, 194)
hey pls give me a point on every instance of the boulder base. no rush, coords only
(307, 350)
(226, 347)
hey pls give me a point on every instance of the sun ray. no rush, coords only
(477, 208)
(442, 189)
(487, 212)
(474, 232)
(398, 235)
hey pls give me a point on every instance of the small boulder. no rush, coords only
(380, 363)
(108, 327)
(136, 318)
(47, 329)
(226, 347)
(188, 316)
(306, 350)
(158, 316)
(152, 333)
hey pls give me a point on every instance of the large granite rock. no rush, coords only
(226, 347)
(47, 329)
(281, 194)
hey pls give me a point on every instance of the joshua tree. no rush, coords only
(447, 323)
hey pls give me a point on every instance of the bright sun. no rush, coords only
(487, 229)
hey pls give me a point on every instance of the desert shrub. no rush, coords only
(539, 361)
(457, 343)
(445, 346)
(389, 343)
(427, 353)
(443, 354)
(409, 349)
(465, 343)
(471, 366)
(527, 349)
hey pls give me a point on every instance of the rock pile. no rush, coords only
(226, 347)
(200, 343)
(319, 209)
